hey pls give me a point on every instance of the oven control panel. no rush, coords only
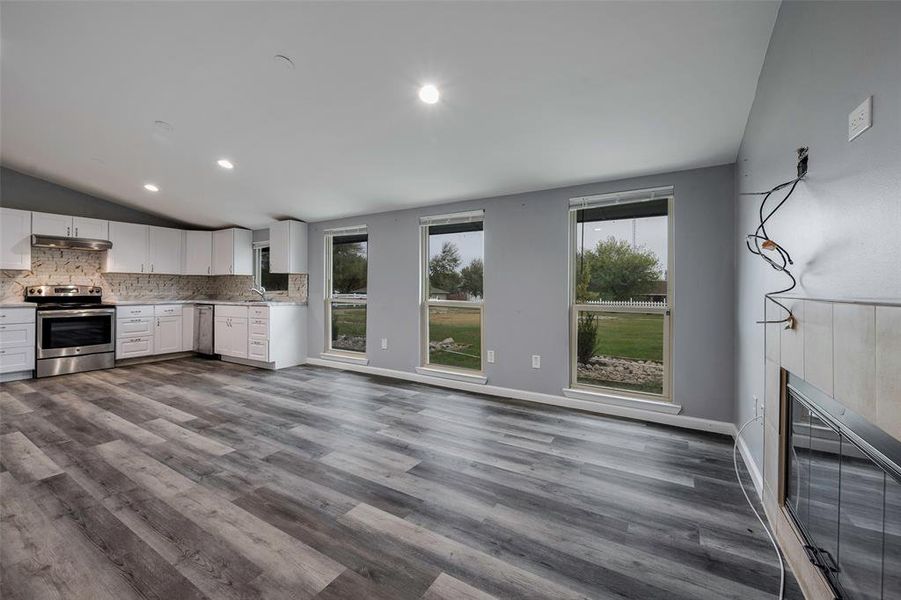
(62, 291)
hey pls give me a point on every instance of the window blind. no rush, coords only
(454, 223)
(626, 197)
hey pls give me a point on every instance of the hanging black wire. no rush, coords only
(761, 244)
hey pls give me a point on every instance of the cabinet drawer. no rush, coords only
(16, 359)
(16, 336)
(9, 316)
(134, 346)
(259, 328)
(259, 312)
(258, 350)
(167, 310)
(229, 310)
(134, 311)
(136, 327)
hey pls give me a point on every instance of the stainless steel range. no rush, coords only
(76, 331)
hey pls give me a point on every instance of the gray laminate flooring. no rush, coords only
(199, 479)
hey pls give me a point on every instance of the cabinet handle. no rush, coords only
(142, 267)
(230, 269)
(151, 268)
(208, 270)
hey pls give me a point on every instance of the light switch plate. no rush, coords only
(384, 343)
(860, 119)
(536, 361)
(490, 357)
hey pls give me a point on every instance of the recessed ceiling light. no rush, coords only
(429, 94)
(225, 163)
(151, 188)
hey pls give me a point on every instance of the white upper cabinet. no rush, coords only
(164, 250)
(94, 229)
(288, 247)
(233, 252)
(15, 239)
(49, 224)
(129, 251)
(198, 253)
(66, 226)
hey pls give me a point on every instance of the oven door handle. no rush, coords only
(76, 312)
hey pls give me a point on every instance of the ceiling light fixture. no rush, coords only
(429, 94)
(225, 163)
(151, 188)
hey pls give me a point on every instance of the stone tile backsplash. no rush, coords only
(49, 266)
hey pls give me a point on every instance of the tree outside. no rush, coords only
(349, 268)
(614, 270)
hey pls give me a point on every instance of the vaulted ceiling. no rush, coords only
(533, 95)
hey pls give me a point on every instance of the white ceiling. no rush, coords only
(534, 95)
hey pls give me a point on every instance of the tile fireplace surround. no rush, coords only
(850, 351)
(49, 266)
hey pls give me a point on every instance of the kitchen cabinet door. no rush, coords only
(94, 229)
(233, 252)
(50, 224)
(164, 250)
(198, 253)
(15, 239)
(167, 336)
(129, 251)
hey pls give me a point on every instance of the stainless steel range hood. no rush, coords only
(56, 241)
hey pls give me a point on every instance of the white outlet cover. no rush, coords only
(860, 119)
(490, 357)
(384, 343)
(536, 361)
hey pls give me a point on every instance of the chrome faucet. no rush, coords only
(259, 290)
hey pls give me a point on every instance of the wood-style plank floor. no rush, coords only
(200, 479)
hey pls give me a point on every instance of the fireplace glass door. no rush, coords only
(845, 503)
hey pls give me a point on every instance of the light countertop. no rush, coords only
(221, 302)
(17, 305)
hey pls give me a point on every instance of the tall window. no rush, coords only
(621, 290)
(273, 282)
(346, 267)
(452, 295)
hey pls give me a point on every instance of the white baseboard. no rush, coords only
(746, 456)
(683, 421)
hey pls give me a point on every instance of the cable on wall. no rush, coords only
(775, 255)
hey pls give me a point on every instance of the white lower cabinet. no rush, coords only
(230, 335)
(145, 330)
(17, 340)
(167, 335)
(133, 347)
(258, 350)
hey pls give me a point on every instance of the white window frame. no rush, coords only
(425, 302)
(330, 298)
(629, 197)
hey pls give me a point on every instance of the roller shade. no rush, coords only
(454, 223)
(348, 235)
(652, 202)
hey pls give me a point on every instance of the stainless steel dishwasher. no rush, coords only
(203, 329)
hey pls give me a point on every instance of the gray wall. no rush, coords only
(842, 224)
(25, 192)
(526, 253)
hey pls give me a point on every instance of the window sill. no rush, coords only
(454, 375)
(345, 358)
(660, 406)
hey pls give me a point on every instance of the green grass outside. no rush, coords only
(629, 335)
(349, 321)
(462, 324)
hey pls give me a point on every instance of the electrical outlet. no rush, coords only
(756, 407)
(536, 361)
(384, 343)
(860, 119)
(490, 357)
